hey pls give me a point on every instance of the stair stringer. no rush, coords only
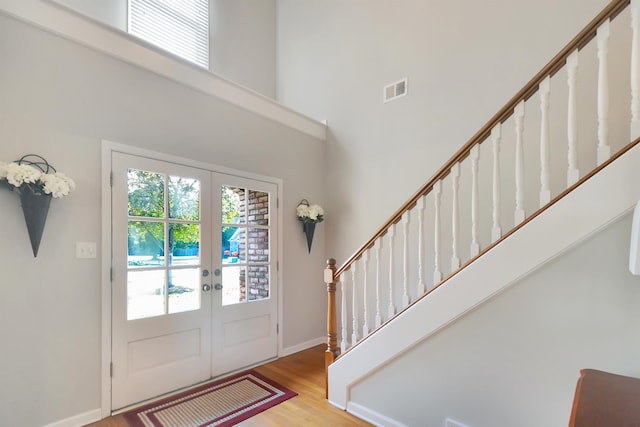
(593, 205)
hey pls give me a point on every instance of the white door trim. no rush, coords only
(108, 147)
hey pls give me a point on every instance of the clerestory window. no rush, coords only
(179, 26)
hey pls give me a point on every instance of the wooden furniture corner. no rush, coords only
(605, 399)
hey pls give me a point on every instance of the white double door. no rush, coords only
(194, 292)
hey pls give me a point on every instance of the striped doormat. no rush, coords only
(222, 403)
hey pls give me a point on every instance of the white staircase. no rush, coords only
(592, 206)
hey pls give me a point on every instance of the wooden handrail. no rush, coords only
(581, 40)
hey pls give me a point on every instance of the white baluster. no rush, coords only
(604, 150)
(421, 205)
(377, 247)
(519, 118)
(573, 174)
(354, 306)
(545, 179)
(455, 217)
(365, 295)
(437, 192)
(635, 69)
(405, 261)
(392, 308)
(343, 318)
(496, 135)
(474, 156)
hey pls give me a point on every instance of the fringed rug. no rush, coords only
(222, 403)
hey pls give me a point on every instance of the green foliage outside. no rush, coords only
(230, 212)
(147, 200)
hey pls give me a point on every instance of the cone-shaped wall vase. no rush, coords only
(309, 229)
(35, 208)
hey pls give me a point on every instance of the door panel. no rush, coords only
(245, 308)
(246, 330)
(161, 318)
(155, 352)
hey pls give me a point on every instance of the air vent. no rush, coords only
(395, 90)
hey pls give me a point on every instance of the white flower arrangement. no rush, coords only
(309, 214)
(25, 176)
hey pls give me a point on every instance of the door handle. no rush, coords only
(217, 286)
(206, 288)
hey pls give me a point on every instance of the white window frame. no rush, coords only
(177, 26)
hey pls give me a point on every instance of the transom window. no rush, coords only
(179, 26)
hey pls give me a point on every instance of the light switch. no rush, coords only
(86, 249)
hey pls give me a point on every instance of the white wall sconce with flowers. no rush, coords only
(309, 215)
(36, 181)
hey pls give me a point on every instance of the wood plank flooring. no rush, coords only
(301, 372)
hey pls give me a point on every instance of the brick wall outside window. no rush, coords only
(258, 246)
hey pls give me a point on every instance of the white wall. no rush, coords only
(243, 43)
(60, 100)
(464, 60)
(515, 360)
(112, 13)
(242, 40)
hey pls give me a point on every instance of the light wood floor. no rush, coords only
(303, 373)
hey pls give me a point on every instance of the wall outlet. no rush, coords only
(451, 423)
(86, 250)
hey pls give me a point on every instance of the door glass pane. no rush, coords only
(146, 193)
(258, 282)
(145, 294)
(184, 244)
(233, 205)
(258, 240)
(245, 243)
(184, 286)
(172, 206)
(146, 243)
(233, 244)
(184, 198)
(234, 288)
(258, 208)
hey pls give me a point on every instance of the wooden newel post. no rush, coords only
(332, 337)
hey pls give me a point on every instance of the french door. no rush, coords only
(245, 311)
(194, 291)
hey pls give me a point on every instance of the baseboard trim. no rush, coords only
(372, 416)
(302, 346)
(79, 420)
